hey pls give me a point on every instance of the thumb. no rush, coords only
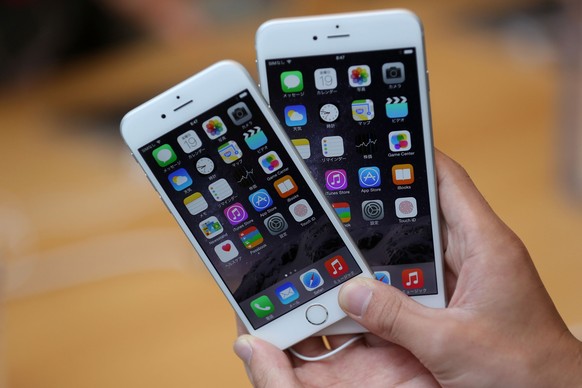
(390, 314)
(266, 365)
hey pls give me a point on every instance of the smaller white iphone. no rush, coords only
(227, 172)
(351, 91)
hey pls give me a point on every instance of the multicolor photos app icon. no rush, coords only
(214, 127)
(359, 75)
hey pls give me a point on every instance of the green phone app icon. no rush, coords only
(164, 155)
(291, 81)
(262, 306)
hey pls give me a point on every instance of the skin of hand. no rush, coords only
(500, 329)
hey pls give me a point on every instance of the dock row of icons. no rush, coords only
(311, 280)
(412, 278)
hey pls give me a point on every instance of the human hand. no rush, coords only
(369, 362)
(500, 328)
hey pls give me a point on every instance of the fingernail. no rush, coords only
(354, 298)
(243, 349)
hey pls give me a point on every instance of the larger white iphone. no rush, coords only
(219, 160)
(351, 90)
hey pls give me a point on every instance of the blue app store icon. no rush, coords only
(261, 200)
(369, 177)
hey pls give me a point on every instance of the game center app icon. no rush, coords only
(336, 266)
(251, 237)
(262, 306)
(164, 155)
(270, 162)
(311, 280)
(226, 251)
(211, 227)
(359, 76)
(180, 179)
(287, 293)
(214, 127)
(412, 278)
(399, 141)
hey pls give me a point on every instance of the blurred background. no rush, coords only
(100, 288)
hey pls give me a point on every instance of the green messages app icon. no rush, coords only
(291, 81)
(164, 155)
(262, 306)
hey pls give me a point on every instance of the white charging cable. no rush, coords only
(328, 354)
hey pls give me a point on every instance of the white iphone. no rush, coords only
(221, 163)
(351, 90)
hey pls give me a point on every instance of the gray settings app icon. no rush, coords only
(276, 224)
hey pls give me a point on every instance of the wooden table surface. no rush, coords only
(102, 289)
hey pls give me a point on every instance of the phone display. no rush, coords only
(352, 103)
(243, 200)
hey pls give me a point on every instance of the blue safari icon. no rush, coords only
(311, 280)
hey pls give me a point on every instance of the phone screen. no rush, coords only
(355, 119)
(246, 203)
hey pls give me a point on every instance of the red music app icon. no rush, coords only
(412, 278)
(336, 266)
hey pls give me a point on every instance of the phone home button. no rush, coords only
(316, 314)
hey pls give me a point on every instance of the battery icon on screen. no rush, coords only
(408, 51)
